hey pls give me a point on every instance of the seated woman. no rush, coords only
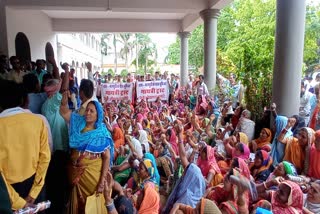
(298, 149)
(287, 199)
(148, 201)
(221, 135)
(202, 105)
(118, 136)
(263, 142)
(205, 127)
(312, 202)
(91, 155)
(260, 170)
(164, 161)
(284, 169)
(225, 195)
(209, 167)
(183, 192)
(239, 151)
(314, 167)
(277, 148)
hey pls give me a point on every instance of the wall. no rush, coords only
(3, 29)
(77, 52)
(35, 25)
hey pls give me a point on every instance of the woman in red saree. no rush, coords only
(225, 195)
(209, 167)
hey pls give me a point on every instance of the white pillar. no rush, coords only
(184, 67)
(3, 30)
(288, 58)
(210, 18)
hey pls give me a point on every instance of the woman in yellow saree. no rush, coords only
(91, 153)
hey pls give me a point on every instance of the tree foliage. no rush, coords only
(246, 38)
(146, 52)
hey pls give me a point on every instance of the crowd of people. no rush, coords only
(191, 153)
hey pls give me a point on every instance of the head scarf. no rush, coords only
(151, 171)
(244, 169)
(173, 141)
(206, 121)
(243, 138)
(315, 208)
(143, 138)
(311, 138)
(185, 193)
(151, 201)
(210, 164)
(264, 142)
(150, 156)
(277, 148)
(226, 135)
(139, 118)
(208, 207)
(266, 161)
(289, 168)
(246, 152)
(94, 141)
(118, 137)
(295, 200)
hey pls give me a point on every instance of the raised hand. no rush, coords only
(89, 66)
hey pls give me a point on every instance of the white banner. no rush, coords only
(152, 90)
(116, 91)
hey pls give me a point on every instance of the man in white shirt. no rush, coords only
(305, 104)
(202, 87)
(16, 74)
(246, 125)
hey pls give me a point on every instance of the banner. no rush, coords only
(152, 90)
(116, 91)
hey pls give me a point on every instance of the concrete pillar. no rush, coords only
(3, 29)
(210, 18)
(288, 58)
(184, 57)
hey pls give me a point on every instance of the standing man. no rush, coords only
(202, 88)
(172, 88)
(16, 74)
(39, 71)
(25, 153)
(236, 91)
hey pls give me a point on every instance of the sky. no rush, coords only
(163, 41)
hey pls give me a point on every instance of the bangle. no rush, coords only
(284, 131)
(181, 141)
(110, 206)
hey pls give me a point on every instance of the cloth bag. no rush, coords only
(95, 204)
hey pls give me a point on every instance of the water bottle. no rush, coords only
(295, 178)
(31, 210)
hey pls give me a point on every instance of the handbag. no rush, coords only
(95, 204)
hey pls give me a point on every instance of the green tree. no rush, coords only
(312, 35)
(124, 39)
(110, 71)
(246, 37)
(173, 56)
(104, 43)
(124, 73)
(147, 52)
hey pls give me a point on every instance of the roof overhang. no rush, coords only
(121, 15)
